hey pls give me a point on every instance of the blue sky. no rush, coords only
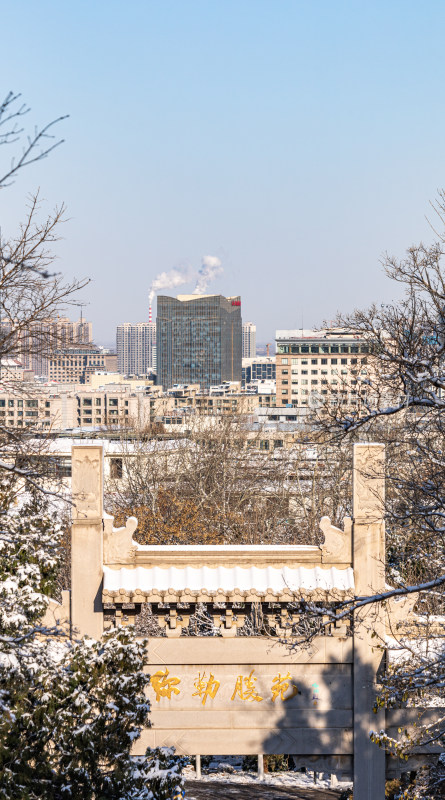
(296, 141)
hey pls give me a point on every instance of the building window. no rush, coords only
(284, 360)
(314, 360)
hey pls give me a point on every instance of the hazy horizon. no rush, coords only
(293, 142)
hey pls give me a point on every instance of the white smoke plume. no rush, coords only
(168, 280)
(210, 269)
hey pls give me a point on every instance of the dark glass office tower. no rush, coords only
(198, 339)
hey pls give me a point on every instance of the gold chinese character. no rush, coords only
(281, 685)
(204, 689)
(247, 692)
(163, 685)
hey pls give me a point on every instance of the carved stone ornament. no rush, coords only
(57, 614)
(119, 546)
(87, 494)
(337, 545)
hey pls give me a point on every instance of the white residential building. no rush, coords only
(249, 340)
(136, 348)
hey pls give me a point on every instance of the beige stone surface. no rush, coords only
(245, 650)
(226, 741)
(87, 540)
(369, 622)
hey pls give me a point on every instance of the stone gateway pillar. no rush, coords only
(87, 541)
(369, 627)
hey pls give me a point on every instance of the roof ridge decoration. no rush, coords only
(337, 543)
(119, 544)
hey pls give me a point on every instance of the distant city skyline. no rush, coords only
(278, 138)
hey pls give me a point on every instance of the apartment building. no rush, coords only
(34, 346)
(315, 366)
(136, 348)
(249, 340)
(266, 391)
(225, 398)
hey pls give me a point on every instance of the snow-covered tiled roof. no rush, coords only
(248, 583)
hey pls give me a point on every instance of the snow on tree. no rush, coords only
(70, 711)
(406, 383)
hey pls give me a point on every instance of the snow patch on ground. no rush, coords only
(297, 780)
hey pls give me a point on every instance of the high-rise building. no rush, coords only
(198, 339)
(36, 344)
(136, 348)
(249, 340)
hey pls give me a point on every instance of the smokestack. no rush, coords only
(149, 314)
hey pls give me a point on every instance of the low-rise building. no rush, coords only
(261, 368)
(318, 366)
(75, 364)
